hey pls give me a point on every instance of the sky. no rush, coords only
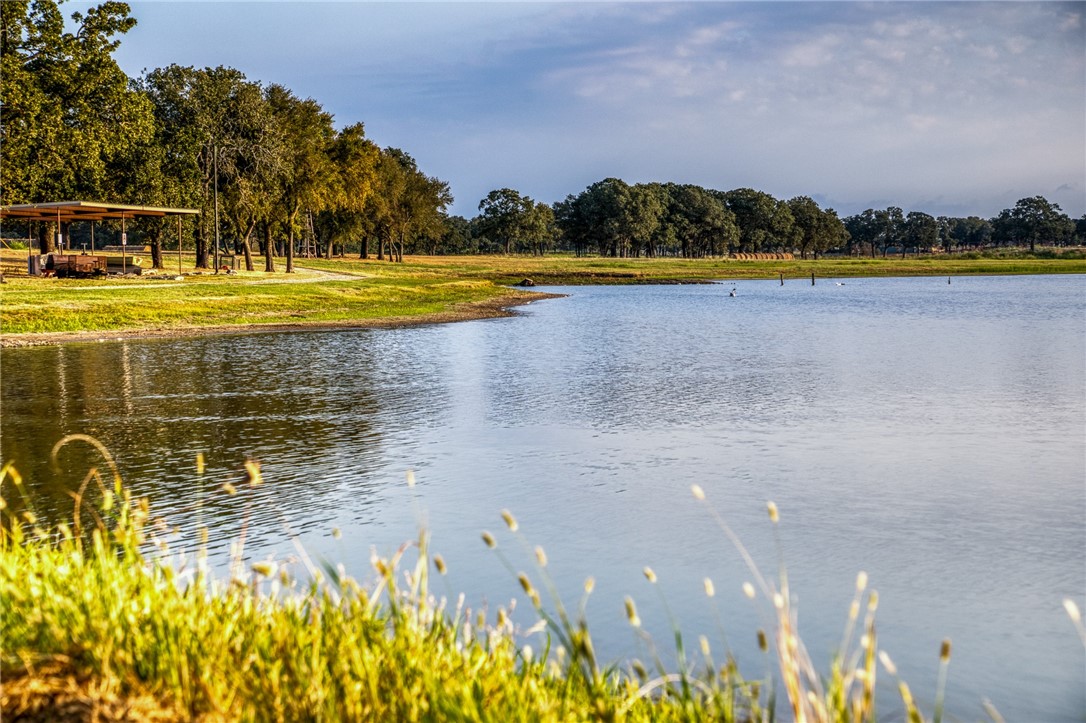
(956, 108)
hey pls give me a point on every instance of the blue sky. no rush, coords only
(956, 108)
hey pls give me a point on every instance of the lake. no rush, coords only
(931, 434)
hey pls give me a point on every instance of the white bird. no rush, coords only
(732, 293)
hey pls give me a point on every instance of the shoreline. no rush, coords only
(497, 307)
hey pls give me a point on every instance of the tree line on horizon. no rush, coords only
(286, 182)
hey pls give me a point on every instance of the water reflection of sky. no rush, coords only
(929, 433)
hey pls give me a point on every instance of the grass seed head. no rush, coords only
(253, 470)
(381, 566)
(944, 651)
(410, 474)
(525, 583)
(1072, 610)
(699, 493)
(337, 533)
(631, 613)
(439, 563)
(704, 642)
(887, 663)
(510, 521)
(748, 590)
(229, 488)
(861, 581)
(710, 591)
(199, 463)
(264, 569)
(650, 575)
(589, 585)
(540, 556)
(774, 516)
(489, 540)
(763, 644)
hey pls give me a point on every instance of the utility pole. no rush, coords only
(216, 163)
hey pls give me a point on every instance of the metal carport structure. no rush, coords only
(76, 211)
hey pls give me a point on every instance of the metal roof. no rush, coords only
(66, 211)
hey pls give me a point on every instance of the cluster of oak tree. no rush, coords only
(272, 175)
(613, 218)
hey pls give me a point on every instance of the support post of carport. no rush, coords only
(178, 245)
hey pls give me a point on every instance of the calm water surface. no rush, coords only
(933, 435)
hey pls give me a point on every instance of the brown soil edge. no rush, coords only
(499, 306)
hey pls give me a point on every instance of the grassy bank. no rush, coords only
(93, 622)
(570, 270)
(35, 306)
(370, 292)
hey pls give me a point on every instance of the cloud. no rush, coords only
(812, 53)
(920, 122)
(848, 100)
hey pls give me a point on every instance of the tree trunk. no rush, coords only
(290, 249)
(45, 238)
(200, 241)
(269, 247)
(156, 247)
(247, 248)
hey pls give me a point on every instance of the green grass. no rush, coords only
(570, 270)
(34, 306)
(100, 615)
(364, 291)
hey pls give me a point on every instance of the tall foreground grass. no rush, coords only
(101, 622)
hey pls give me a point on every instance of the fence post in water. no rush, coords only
(812, 278)
(782, 278)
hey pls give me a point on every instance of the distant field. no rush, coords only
(569, 270)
